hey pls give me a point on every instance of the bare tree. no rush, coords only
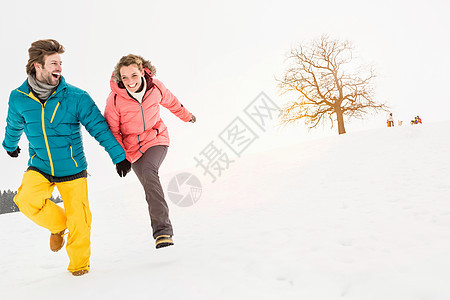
(327, 83)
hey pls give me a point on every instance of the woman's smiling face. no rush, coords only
(131, 77)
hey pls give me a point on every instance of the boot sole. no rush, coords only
(163, 244)
(80, 273)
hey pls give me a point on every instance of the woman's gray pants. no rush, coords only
(146, 169)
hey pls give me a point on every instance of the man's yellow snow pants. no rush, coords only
(33, 201)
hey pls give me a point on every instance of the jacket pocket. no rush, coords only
(31, 159)
(54, 113)
(159, 127)
(71, 156)
(59, 117)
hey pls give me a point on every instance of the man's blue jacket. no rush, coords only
(53, 129)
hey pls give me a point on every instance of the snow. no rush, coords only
(360, 216)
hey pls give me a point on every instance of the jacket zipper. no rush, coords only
(43, 128)
(142, 109)
(143, 117)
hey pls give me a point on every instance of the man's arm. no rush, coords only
(15, 124)
(91, 118)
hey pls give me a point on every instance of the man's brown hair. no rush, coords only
(129, 60)
(39, 50)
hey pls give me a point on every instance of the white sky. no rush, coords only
(216, 57)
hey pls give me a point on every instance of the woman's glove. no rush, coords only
(123, 167)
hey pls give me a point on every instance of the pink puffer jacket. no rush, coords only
(137, 126)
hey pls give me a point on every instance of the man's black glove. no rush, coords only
(14, 153)
(123, 167)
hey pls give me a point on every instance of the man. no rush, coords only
(50, 112)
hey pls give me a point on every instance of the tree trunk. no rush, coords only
(340, 120)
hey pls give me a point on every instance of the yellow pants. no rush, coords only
(33, 201)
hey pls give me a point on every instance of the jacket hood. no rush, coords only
(119, 87)
(145, 64)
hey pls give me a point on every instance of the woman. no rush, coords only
(132, 113)
(390, 120)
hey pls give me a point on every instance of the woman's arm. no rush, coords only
(171, 102)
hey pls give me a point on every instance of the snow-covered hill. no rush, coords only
(359, 216)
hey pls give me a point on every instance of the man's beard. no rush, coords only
(50, 79)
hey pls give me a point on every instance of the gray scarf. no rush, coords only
(42, 89)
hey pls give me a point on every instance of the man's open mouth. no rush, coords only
(56, 75)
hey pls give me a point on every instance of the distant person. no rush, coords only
(50, 112)
(132, 112)
(417, 120)
(390, 120)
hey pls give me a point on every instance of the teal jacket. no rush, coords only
(53, 129)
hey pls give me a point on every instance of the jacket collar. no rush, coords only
(25, 89)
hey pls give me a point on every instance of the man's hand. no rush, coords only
(14, 153)
(123, 167)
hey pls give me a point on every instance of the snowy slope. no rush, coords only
(359, 216)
